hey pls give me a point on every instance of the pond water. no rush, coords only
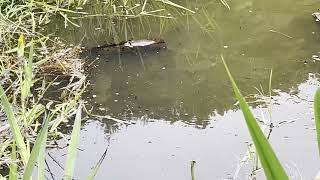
(178, 103)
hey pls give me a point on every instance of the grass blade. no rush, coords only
(175, 5)
(225, 4)
(42, 156)
(13, 166)
(317, 116)
(94, 171)
(72, 150)
(14, 126)
(38, 146)
(192, 170)
(270, 163)
(20, 50)
(27, 81)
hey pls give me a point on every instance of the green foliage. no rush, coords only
(37, 148)
(317, 115)
(192, 170)
(15, 129)
(270, 163)
(13, 166)
(72, 150)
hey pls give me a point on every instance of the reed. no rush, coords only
(270, 163)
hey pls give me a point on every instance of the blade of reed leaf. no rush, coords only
(317, 116)
(192, 170)
(13, 166)
(270, 163)
(38, 146)
(42, 155)
(74, 141)
(20, 50)
(175, 5)
(14, 126)
(94, 171)
(225, 4)
(27, 82)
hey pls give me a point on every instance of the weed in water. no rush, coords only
(270, 163)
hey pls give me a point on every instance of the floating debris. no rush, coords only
(316, 15)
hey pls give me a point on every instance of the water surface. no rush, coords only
(179, 101)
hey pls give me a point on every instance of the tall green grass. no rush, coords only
(192, 170)
(72, 150)
(270, 163)
(24, 113)
(317, 116)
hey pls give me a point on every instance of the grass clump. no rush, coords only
(27, 57)
(29, 118)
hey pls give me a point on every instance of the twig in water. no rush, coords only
(271, 30)
(54, 160)
(52, 176)
(99, 163)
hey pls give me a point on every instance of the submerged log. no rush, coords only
(143, 46)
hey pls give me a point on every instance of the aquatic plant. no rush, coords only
(317, 115)
(24, 114)
(23, 84)
(270, 163)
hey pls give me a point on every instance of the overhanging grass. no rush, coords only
(317, 116)
(270, 163)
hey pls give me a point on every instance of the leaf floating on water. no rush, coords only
(225, 4)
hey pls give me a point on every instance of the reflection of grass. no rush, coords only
(270, 163)
(121, 20)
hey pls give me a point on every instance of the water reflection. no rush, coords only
(186, 86)
(187, 82)
(158, 149)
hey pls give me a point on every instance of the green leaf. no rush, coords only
(192, 170)
(36, 151)
(27, 80)
(175, 5)
(42, 155)
(13, 166)
(14, 126)
(20, 50)
(72, 150)
(94, 171)
(317, 115)
(270, 163)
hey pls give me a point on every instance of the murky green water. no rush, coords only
(179, 101)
